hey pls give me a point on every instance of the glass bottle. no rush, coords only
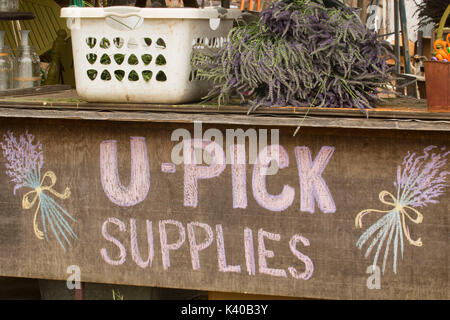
(6, 64)
(27, 71)
(9, 5)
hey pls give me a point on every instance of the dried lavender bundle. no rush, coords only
(298, 53)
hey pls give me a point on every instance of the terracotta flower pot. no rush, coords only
(437, 76)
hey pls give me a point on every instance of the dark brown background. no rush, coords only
(363, 164)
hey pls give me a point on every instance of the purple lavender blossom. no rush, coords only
(23, 157)
(421, 181)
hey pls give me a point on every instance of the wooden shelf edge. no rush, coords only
(10, 16)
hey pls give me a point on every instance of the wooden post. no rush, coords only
(363, 4)
(79, 293)
(397, 35)
(405, 37)
(386, 15)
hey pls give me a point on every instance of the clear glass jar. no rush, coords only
(7, 63)
(27, 72)
(9, 5)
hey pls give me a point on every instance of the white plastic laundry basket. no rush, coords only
(128, 54)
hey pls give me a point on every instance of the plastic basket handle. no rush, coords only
(129, 12)
(119, 12)
(442, 23)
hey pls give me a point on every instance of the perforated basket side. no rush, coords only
(150, 64)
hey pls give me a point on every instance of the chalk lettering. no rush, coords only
(194, 246)
(238, 176)
(273, 167)
(249, 251)
(200, 237)
(166, 247)
(134, 244)
(223, 267)
(140, 173)
(263, 253)
(286, 197)
(306, 260)
(107, 236)
(312, 185)
(195, 172)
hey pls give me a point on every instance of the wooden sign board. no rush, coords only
(113, 201)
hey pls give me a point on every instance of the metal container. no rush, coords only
(437, 76)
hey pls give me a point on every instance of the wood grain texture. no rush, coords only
(231, 119)
(62, 98)
(59, 103)
(363, 163)
(34, 91)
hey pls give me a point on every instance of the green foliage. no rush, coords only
(116, 296)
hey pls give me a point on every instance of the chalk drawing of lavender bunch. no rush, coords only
(24, 164)
(420, 180)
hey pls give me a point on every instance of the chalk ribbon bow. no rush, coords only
(36, 196)
(399, 207)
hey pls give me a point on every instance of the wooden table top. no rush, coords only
(64, 103)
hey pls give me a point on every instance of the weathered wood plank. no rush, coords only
(34, 91)
(380, 112)
(310, 121)
(68, 100)
(216, 226)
